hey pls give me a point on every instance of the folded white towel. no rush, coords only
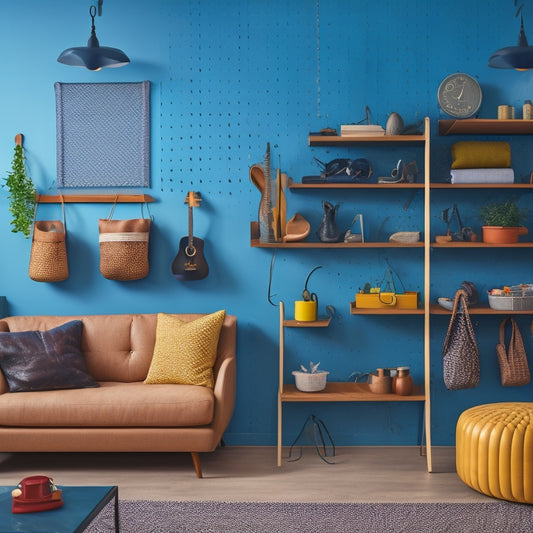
(482, 175)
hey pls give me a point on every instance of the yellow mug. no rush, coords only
(305, 311)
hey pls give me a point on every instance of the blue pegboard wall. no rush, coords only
(227, 77)
(248, 73)
(231, 93)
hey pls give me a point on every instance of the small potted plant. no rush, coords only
(310, 380)
(502, 222)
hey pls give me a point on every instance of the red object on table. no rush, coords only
(35, 494)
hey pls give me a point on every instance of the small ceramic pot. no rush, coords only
(403, 383)
(501, 234)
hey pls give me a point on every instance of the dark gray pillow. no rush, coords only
(45, 360)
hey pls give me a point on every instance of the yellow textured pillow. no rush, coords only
(481, 154)
(185, 352)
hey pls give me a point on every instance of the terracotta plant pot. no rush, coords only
(502, 235)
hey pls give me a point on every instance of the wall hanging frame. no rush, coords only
(103, 134)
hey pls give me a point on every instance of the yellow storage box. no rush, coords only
(408, 300)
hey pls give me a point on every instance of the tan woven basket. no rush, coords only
(514, 368)
(48, 257)
(124, 248)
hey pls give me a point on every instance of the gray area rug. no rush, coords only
(216, 517)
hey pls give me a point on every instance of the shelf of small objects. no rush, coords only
(447, 185)
(293, 185)
(340, 391)
(255, 243)
(480, 244)
(330, 140)
(436, 309)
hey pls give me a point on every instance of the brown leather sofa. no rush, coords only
(123, 414)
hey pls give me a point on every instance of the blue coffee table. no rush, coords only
(82, 505)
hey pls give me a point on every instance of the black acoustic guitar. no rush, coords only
(190, 263)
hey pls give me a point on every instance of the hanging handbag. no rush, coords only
(48, 257)
(460, 354)
(514, 369)
(124, 247)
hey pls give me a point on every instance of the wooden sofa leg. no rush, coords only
(197, 465)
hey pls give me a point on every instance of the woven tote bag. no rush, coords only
(124, 248)
(48, 257)
(460, 354)
(514, 369)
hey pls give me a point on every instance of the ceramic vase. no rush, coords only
(403, 382)
(394, 124)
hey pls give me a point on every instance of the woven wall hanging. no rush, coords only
(103, 134)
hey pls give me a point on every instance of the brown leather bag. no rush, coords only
(514, 369)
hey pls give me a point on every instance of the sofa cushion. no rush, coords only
(44, 360)
(115, 347)
(185, 352)
(114, 404)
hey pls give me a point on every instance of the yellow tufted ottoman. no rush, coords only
(494, 450)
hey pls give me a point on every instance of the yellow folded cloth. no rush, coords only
(481, 154)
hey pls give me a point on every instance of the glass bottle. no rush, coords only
(527, 110)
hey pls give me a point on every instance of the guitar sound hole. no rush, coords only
(190, 251)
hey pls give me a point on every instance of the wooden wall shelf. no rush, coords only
(481, 186)
(337, 391)
(295, 185)
(319, 323)
(255, 243)
(462, 244)
(436, 309)
(94, 198)
(383, 310)
(330, 140)
(484, 126)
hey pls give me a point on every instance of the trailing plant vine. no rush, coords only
(21, 194)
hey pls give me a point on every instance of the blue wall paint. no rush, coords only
(226, 78)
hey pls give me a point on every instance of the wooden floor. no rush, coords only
(246, 473)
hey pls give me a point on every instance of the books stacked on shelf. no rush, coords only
(361, 130)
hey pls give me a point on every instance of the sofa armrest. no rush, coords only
(3, 383)
(224, 391)
(225, 376)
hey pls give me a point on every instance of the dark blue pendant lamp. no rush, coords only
(519, 57)
(93, 56)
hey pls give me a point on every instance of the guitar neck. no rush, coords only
(190, 227)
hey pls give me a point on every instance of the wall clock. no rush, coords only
(459, 95)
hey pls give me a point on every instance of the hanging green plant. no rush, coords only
(22, 194)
